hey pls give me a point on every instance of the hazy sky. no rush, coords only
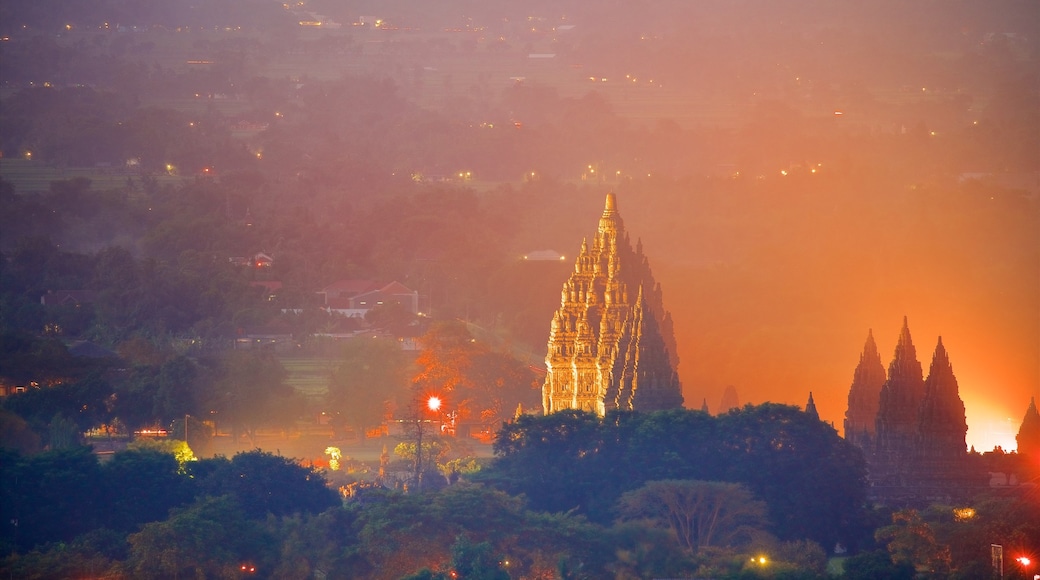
(778, 333)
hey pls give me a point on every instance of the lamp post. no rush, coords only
(433, 403)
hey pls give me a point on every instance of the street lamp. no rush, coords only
(433, 404)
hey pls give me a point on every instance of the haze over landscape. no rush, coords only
(798, 173)
(410, 290)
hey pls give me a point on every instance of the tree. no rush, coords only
(60, 414)
(911, 540)
(478, 381)
(372, 373)
(877, 564)
(264, 483)
(393, 318)
(813, 481)
(178, 390)
(49, 497)
(475, 561)
(400, 533)
(251, 394)
(141, 486)
(699, 513)
(16, 435)
(210, 538)
(553, 460)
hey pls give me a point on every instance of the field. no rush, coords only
(27, 176)
(308, 375)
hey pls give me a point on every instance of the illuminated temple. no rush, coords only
(611, 344)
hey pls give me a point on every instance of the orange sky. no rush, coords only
(997, 362)
(778, 303)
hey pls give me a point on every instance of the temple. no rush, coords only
(1028, 439)
(810, 408)
(916, 451)
(865, 396)
(610, 343)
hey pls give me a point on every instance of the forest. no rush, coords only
(675, 493)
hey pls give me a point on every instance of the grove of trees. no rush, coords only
(686, 508)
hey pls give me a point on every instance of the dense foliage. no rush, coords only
(146, 514)
(812, 480)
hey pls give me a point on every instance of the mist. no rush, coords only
(799, 173)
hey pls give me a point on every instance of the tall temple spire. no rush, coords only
(810, 408)
(704, 406)
(730, 400)
(896, 423)
(1028, 437)
(609, 342)
(865, 396)
(942, 426)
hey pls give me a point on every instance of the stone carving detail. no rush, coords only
(610, 343)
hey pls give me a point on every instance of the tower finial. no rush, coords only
(611, 204)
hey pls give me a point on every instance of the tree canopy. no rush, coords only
(573, 460)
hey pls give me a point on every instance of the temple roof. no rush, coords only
(810, 407)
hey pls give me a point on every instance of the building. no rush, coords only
(1028, 438)
(611, 344)
(865, 396)
(916, 452)
(354, 298)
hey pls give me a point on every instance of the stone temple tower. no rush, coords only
(610, 343)
(918, 452)
(896, 422)
(865, 397)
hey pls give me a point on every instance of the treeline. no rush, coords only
(812, 480)
(760, 492)
(53, 16)
(69, 400)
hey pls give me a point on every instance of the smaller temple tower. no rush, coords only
(941, 451)
(865, 397)
(810, 408)
(730, 400)
(1028, 437)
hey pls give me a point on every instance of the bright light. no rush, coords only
(335, 455)
(1024, 561)
(434, 403)
(963, 514)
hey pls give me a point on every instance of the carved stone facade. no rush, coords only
(610, 343)
(916, 451)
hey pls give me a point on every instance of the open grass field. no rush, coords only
(27, 176)
(308, 375)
